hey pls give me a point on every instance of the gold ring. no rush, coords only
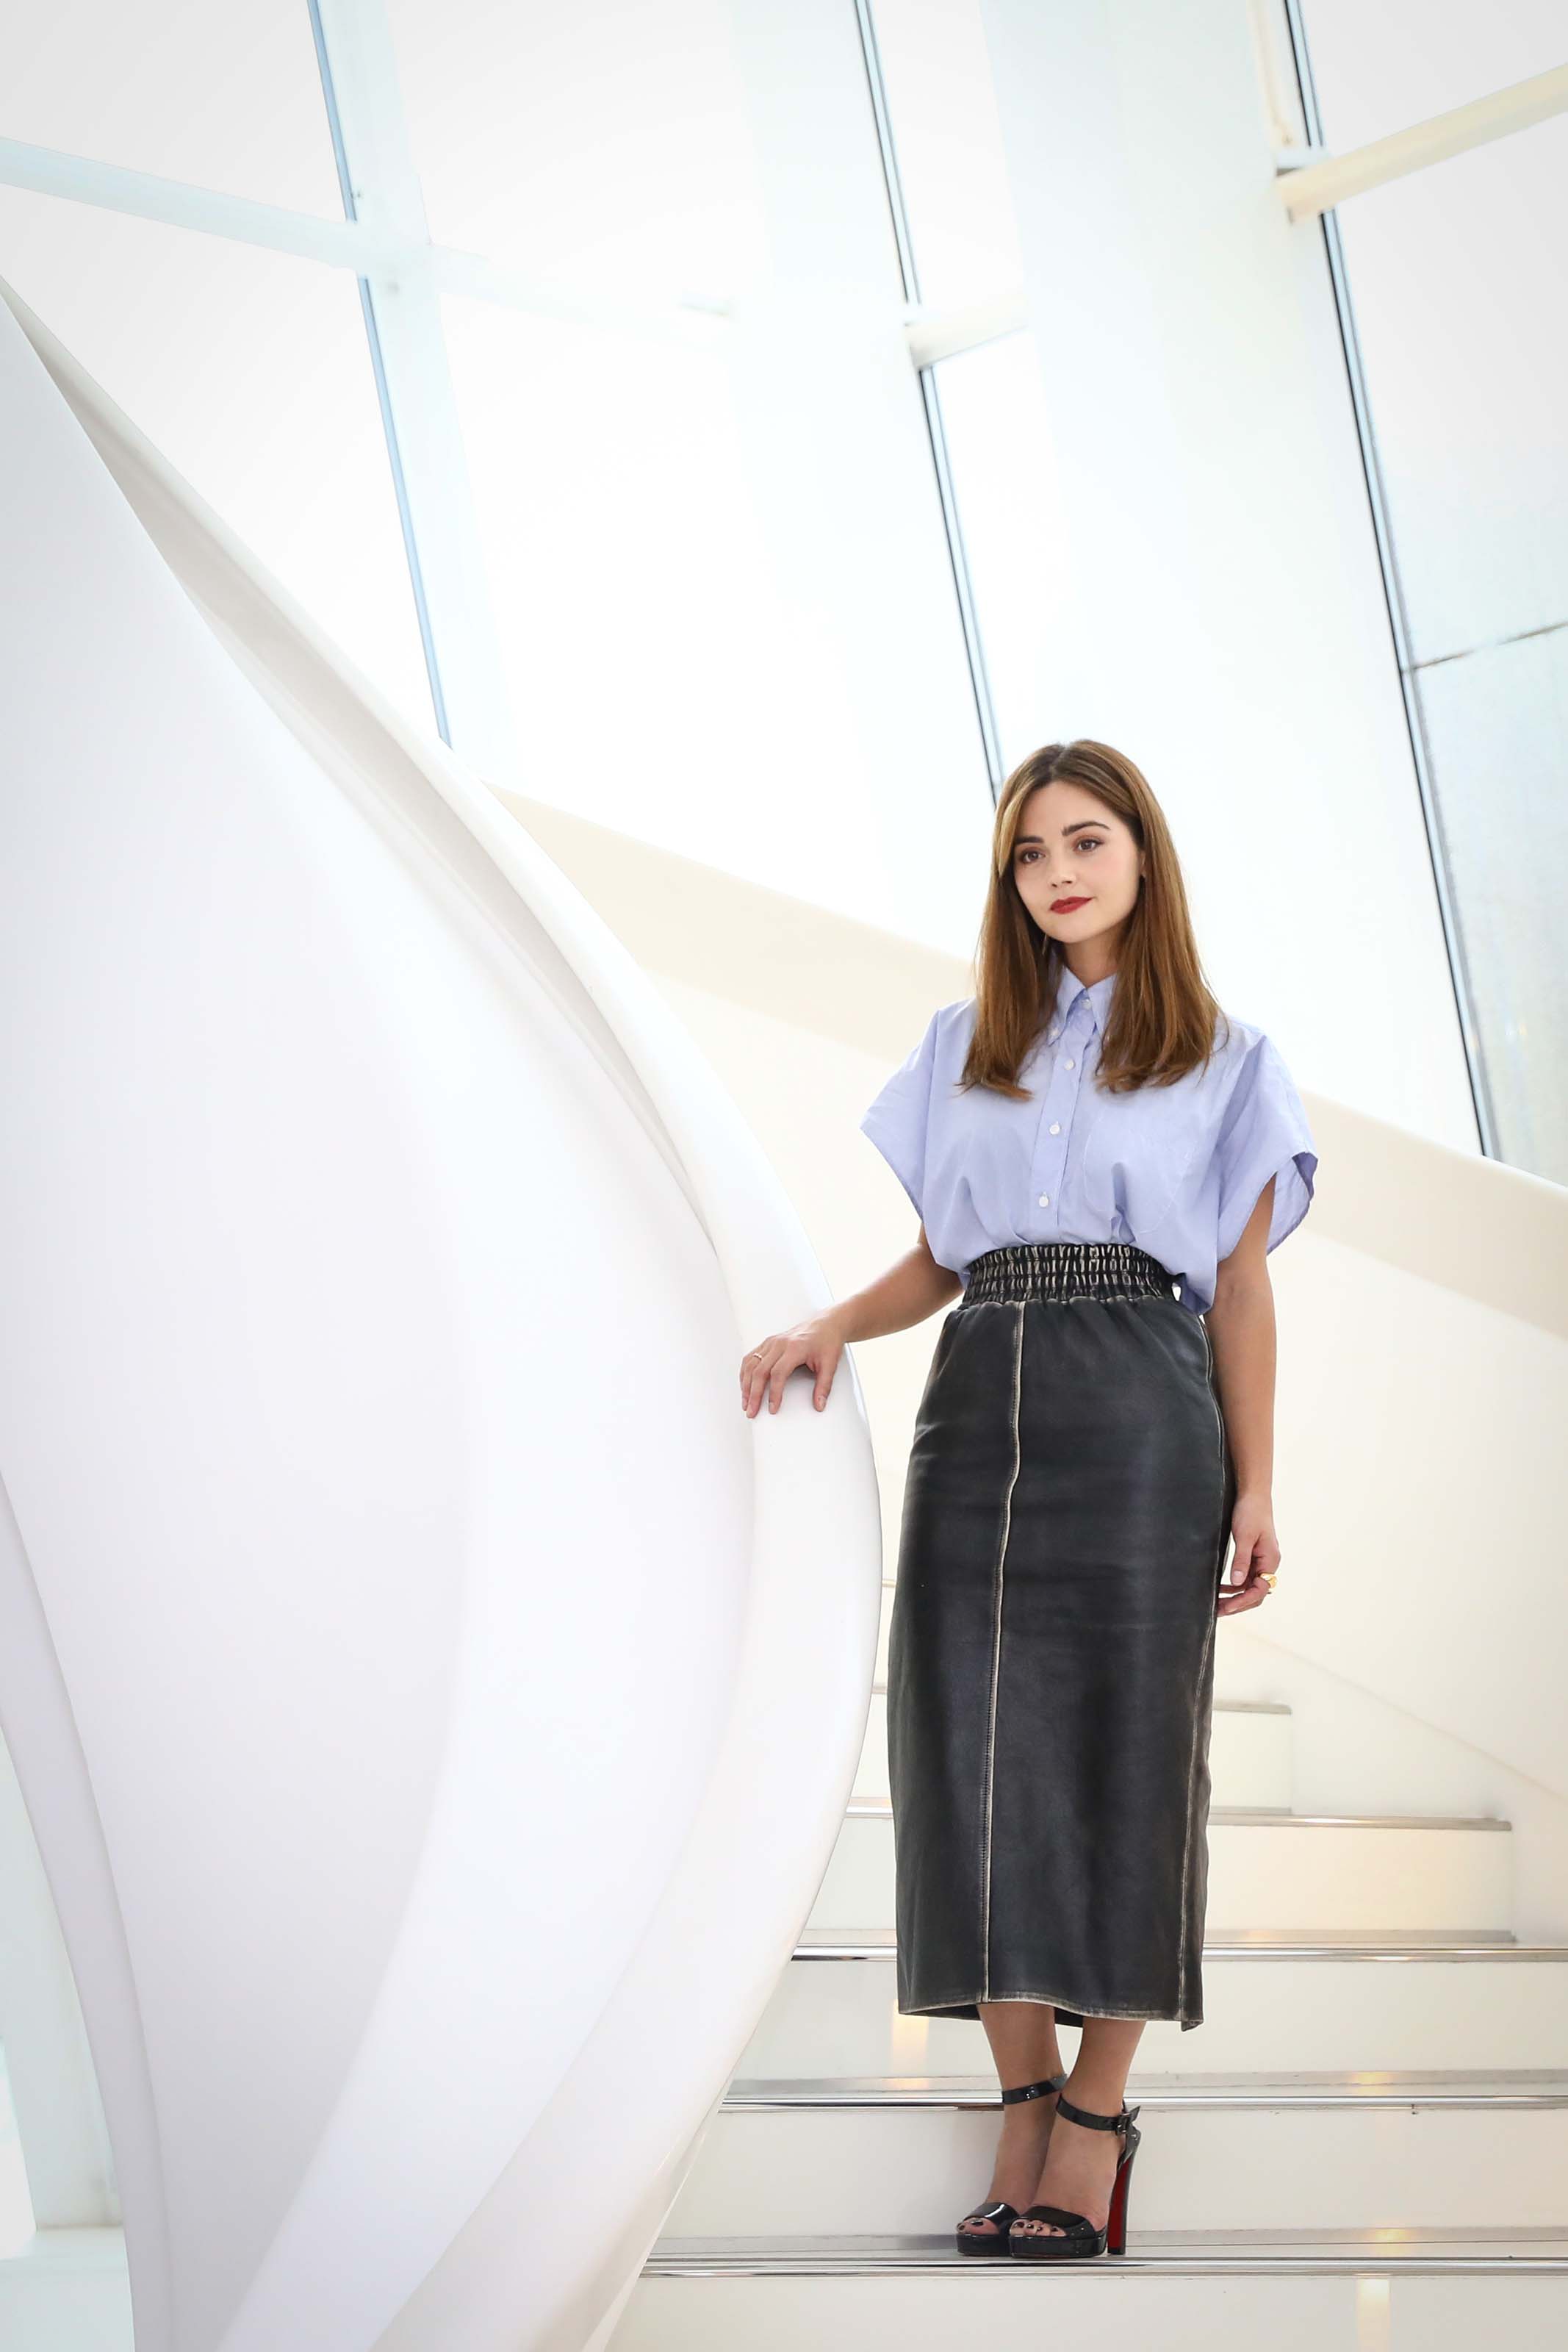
(1269, 1578)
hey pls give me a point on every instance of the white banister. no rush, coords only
(466, 1693)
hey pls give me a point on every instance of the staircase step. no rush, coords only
(1294, 2252)
(1296, 1873)
(1525, 2087)
(1404, 2152)
(1176, 2291)
(1368, 2001)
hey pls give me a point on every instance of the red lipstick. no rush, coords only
(1065, 906)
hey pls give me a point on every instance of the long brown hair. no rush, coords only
(1163, 1014)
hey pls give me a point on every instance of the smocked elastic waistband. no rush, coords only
(1059, 1271)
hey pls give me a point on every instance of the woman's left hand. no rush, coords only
(1257, 1555)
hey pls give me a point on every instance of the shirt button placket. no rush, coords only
(1063, 1092)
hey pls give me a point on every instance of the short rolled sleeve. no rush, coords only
(897, 1120)
(1265, 1133)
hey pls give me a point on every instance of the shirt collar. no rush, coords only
(1070, 988)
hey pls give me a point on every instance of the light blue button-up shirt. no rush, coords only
(1175, 1171)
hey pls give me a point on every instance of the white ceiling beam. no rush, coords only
(1317, 187)
(690, 318)
(936, 335)
(363, 249)
(49, 172)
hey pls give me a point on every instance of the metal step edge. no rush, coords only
(1447, 1945)
(1173, 2254)
(1221, 1705)
(1267, 1817)
(1493, 2089)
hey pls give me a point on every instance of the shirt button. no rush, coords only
(1056, 1126)
(1071, 1064)
(1053, 1036)
(1045, 1200)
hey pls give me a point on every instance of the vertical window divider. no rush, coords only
(402, 310)
(957, 557)
(1398, 620)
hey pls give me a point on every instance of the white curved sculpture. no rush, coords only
(435, 1702)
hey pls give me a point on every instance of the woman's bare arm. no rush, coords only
(913, 1286)
(1241, 1330)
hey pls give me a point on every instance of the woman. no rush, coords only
(1082, 1134)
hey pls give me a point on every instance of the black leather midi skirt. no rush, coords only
(1051, 1662)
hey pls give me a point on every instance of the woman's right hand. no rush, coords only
(818, 1342)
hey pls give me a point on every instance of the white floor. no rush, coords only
(15, 2205)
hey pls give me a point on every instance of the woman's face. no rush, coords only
(1070, 847)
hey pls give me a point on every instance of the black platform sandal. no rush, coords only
(994, 2242)
(1080, 2239)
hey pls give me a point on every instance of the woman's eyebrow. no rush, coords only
(1037, 840)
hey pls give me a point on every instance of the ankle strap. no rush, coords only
(1075, 2114)
(1034, 2090)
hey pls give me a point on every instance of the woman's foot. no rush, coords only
(1079, 2174)
(1026, 2135)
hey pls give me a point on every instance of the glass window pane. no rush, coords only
(948, 141)
(1496, 732)
(606, 143)
(660, 683)
(226, 96)
(251, 373)
(1458, 275)
(1000, 453)
(1458, 279)
(1381, 69)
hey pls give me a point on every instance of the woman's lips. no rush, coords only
(1065, 906)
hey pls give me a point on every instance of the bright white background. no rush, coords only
(715, 565)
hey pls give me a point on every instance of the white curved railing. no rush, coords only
(435, 1701)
